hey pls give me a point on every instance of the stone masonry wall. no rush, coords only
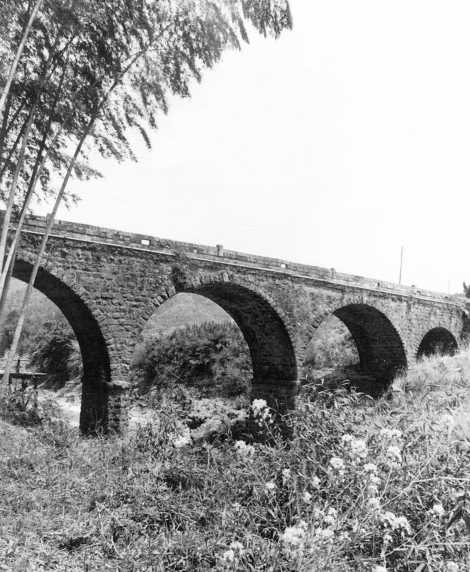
(109, 283)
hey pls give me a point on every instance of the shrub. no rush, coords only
(331, 346)
(212, 358)
(57, 354)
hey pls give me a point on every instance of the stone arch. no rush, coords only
(437, 341)
(264, 329)
(379, 345)
(93, 346)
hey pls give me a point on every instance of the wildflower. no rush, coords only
(374, 504)
(236, 506)
(337, 465)
(307, 497)
(324, 534)
(331, 516)
(182, 441)
(270, 486)
(370, 468)
(358, 449)
(396, 522)
(374, 480)
(237, 546)
(390, 434)
(294, 536)
(243, 449)
(372, 490)
(379, 569)
(228, 556)
(261, 411)
(438, 510)
(315, 482)
(452, 567)
(373, 484)
(393, 455)
(286, 475)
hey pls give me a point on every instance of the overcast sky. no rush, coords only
(334, 145)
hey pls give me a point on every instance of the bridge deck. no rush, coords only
(135, 241)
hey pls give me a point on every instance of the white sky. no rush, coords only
(333, 146)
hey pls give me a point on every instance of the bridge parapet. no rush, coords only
(95, 234)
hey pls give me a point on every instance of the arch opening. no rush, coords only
(271, 349)
(93, 348)
(368, 351)
(214, 348)
(192, 343)
(437, 341)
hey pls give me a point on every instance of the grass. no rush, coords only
(364, 485)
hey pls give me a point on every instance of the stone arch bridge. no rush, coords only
(108, 283)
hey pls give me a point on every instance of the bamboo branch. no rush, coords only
(19, 51)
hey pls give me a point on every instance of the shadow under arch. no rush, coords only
(271, 349)
(93, 348)
(380, 348)
(437, 341)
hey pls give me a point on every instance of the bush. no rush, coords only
(331, 346)
(213, 358)
(57, 354)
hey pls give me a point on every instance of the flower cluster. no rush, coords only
(336, 466)
(183, 440)
(372, 479)
(294, 537)
(233, 553)
(261, 411)
(244, 450)
(356, 449)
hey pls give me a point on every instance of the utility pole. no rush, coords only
(401, 265)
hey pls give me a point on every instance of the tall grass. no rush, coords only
(363, 486)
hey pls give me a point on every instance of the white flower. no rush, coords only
(370, 468)
(285, 476)
(257, 405)
(452, 567)
(294, 536)
(393, 455)
(243, 449)
(396, 522)
(236, 506)
(324, 534)
(358, 448)
(261, 411)
(315, 482)
(182, 441)
(372, 490)
(438, 510)
(337, 465)
(237, 546)
(270, 486)
(374, 504)
(374, 480)
(331, 516)
(307, 497)
(390, 434)
(379, 569)
(228, 556)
